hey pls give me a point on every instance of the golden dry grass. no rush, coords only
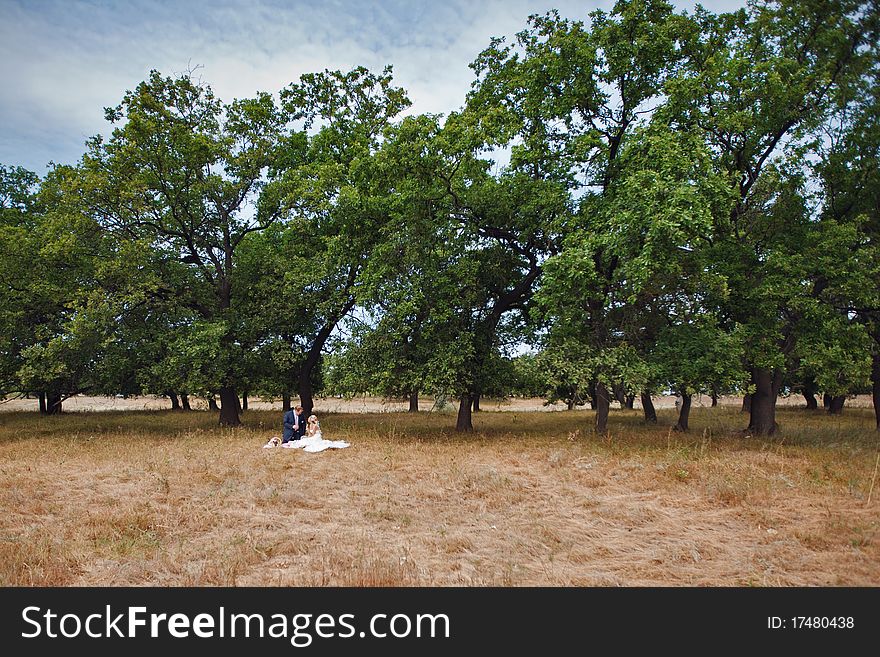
(169, 499)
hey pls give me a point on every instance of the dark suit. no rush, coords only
(291, 432)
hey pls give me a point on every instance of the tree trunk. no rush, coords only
(630, 401)
(683, 413)
(810, 390)
(476, 403)
(875, 380)
(244, 400)
(175, 402)
(212, 404)
(619, 394)
(229, 407)
(570, 403)
(594, 402)
(836, 406)
(414, 402)
(285, 402)
(762, 420)
(648, 408)
(464, 422)
(305, 393)
(184, 401)
(53, 403)
(603, 403)
(304, 382)
(826, 400)
(714, 399)
(42, 396)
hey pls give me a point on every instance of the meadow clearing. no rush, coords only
(125, 497)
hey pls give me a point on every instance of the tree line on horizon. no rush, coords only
(686, 203)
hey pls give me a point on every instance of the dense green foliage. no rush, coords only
(691, 204)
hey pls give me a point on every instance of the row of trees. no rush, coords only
(691, 203)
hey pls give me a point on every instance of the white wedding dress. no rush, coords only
(315, 443)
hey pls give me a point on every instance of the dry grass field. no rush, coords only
(156, 498)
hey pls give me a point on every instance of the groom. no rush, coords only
(294, 424)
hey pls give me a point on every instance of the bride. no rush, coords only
(314, 441)
(313, 428)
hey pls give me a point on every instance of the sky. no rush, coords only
(63, 61)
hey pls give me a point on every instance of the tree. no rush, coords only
(848, 171)
(335, 200)
(602, 82)
(659, 219)
(275, 318)
(55, 262)
(179, 173)
(513, 220)
(19, 308)
(756, 84)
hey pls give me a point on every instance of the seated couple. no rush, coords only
(298, 432)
